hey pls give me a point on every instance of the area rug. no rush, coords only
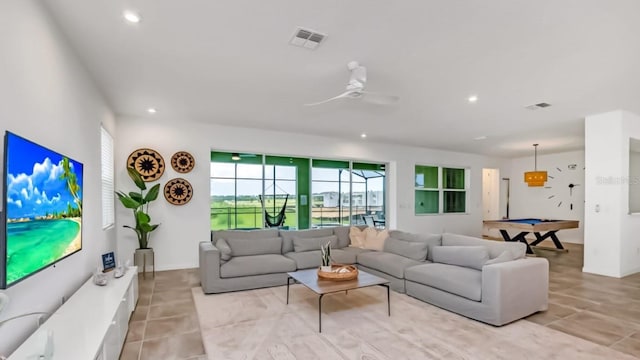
(258, 324)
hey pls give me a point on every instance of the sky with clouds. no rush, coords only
(33, 183)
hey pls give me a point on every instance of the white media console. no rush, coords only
(92, 324)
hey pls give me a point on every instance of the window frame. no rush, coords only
(441, 190)
(107, 178)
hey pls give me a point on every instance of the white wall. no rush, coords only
(176, 241)
(612, 246)
(47, 97)
(535, 202)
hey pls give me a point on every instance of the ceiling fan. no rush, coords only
(355, 88)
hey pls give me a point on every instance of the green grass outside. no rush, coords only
(249, 214)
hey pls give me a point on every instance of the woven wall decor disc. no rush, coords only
(182, 162)
(148, 162)
(178, 191)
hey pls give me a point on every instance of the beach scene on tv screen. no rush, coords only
(44, 207)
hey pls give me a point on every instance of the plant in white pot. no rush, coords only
(138, 202)
(325, 265)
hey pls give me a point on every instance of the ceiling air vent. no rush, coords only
(307, 38)
(537, 106)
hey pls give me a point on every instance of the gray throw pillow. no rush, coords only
(468, 256)
(310, 244)
(504, 257)
(409, 249)
(248, 247)
(225, 250)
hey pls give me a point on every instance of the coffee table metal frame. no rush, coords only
(305, 277)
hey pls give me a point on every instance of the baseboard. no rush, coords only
(590, 271)
(631, 272)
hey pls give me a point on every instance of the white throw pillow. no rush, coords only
(357, 237)
(374, 239)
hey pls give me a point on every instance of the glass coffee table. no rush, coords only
(309, 278)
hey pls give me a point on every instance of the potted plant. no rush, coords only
(325, 249)
(139, 203)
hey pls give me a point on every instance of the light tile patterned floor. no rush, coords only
(596, 308)
(164, 324)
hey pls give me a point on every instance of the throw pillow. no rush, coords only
(374, 239)
(504, 257)
(225, 250)
(468, 256)
(310, 244)
(357, 237)
(415, 250)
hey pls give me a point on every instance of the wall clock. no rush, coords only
(562, 184)
(148, 163)
(178, 191)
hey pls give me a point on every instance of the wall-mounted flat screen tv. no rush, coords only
(42, 209)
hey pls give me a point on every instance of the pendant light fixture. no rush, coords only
(535, 178)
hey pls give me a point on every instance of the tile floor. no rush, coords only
(596, 308)
(164, 324)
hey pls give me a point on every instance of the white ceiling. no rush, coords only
(229, 62)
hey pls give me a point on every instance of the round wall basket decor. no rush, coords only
(148, 163)
(178, 191)
(182, 162)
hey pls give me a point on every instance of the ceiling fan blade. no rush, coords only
(380, 99)
(343, 95)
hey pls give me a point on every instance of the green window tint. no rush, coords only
(367, 166)
(427, 202)
(454, 202)
(426, 177)
(440, 190)
(245, 158)
(329, 164)
(453, 178)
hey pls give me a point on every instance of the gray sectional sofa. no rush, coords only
(486, 280)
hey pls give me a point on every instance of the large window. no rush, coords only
(344, 192)
(440, 190)
(249, 190)
(235, 191)
(280, 187)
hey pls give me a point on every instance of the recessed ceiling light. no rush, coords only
(480, 138)
(152, 110)
(131, 16)
(363, 135)
(473, 98)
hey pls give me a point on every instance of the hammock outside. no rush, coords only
(274, 220)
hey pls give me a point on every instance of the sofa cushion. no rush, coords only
(504, 257)
(431, 239)
(314, 243)
(518, 249)
(357, 237)
(342, 232)
(244, 234)
(387, 263)
(468, 256)
(248, 247)
(411, 249)
(225, 250)
(458, 280)
(355, 250)
(374, 239)
(256, 265)
(368, 238)
(288, 235)
(311, 259)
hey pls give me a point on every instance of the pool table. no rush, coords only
(535, 226)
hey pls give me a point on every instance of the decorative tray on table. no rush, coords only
(339, 272)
